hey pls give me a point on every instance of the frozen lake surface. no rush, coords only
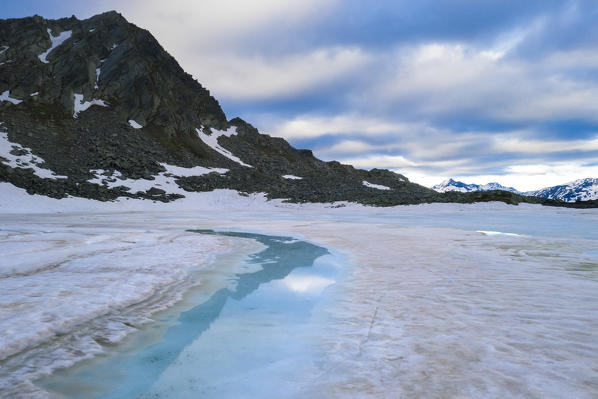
(228, 346)
(433, 301)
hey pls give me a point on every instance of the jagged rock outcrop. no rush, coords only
(107, 58)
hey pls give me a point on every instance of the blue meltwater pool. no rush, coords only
(253, 338)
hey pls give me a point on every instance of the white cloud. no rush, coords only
(189, 25)
(519, 145)
(507, 42)
(440, 146)
(439, 74)
(376, 135)
(577, 58)
(428, 155)
(437, 79)
(353, 147)
(225, 44)
(397, 162)
(379, 161)
(244, 77)
(306, 126)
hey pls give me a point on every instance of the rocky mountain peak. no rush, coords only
(67, 63)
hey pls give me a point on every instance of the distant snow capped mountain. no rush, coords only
(453, 185)
(578, 190)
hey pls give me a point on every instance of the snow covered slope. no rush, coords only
(578, 190)
(453, 185)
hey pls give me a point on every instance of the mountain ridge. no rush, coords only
(578, 190)
(453, 185)
(109, 98)
(96, 108)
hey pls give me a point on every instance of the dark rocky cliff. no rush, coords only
(138, 78)
(99, 103)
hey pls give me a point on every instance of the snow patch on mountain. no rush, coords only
(25, 159)
(212, 141)
(164, 180)
(56, 41)
(292, 177)
(376, 186)
(5, 96)
(81, 105)
(134, 124)
(98, 72)
(194, 171)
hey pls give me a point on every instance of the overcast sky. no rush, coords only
(493, 90)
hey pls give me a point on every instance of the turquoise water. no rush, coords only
(227, 345)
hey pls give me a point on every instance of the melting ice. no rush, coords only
(483, 301)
